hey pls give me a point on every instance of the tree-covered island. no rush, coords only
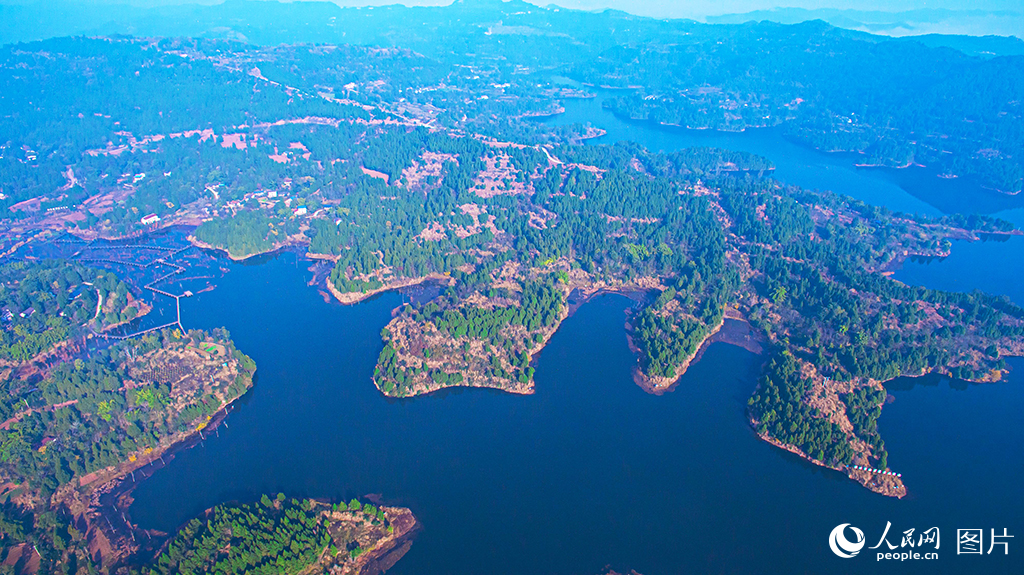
(380, 164)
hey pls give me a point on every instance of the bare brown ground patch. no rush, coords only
(434, 232)
(475, 211)
(430, 164)
(374, 174)
(498, 178)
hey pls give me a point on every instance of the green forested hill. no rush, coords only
(895, 101)
(419, 159)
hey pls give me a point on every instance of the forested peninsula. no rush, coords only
(78, 420)
(380, 167)
(281, 535)
(83, 416)
(806, 269)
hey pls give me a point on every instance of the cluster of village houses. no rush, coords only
(266, 198)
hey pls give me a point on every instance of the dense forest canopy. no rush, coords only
(44, 304)
(275, 535)
(271, 537)
(342, 148)
(409, 154)
(894, 100)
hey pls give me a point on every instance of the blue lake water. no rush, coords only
(994, 265)
(590, 472)
(912, 190)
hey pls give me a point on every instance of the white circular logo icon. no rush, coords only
(842, 546)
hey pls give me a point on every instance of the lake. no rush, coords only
(911, 190)
(590, 472)
(994, 265)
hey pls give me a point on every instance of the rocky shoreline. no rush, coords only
(888, 485)
(349, 298)
(390, 549)
(289, 242)
(98, 502)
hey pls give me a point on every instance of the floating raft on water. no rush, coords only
(873, 470)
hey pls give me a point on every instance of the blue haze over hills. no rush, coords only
(26, 20)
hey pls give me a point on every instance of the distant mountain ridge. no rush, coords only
(948, 102)
(270, 22)
(984, 46)
(945, 26)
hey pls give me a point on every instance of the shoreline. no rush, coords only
(107, 493)
(659, 385)
(382, 556)
(585, 292)
(720, 333)
(392, 548)
(541, 115)
(275, 248)
(890, 486)
(112, 497)
(887, 485)
(953, 234)
(349, 298)
(804, 144)
(525, 389)
(144, 309)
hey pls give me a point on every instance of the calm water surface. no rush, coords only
(911, 190)
(994, 265)
(590, 471)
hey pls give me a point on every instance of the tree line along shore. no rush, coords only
(83, 423)
(512, 217)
